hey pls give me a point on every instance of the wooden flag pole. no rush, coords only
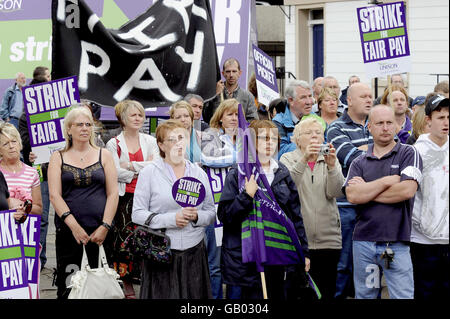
(389, 89)
(263, 282)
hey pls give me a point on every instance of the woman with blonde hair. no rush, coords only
(419, 125)
(131, 151)
(328, 103)
(22, 180)
(182, 111)
(319, 179)
(218, 142)
(82, 184)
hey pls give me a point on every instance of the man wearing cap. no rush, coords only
(418, 102)
(430, 224)
(382, 182)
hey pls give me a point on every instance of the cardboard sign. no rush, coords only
(188, 192)
(19, 256)
(384, 39)
(266, 79)
(46, 105)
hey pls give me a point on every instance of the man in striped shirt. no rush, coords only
(350, 137)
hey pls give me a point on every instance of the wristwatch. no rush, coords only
(106, 225)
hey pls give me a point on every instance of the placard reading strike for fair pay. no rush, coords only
(384, 39)
(46, 105)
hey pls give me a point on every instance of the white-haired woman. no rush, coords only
(319, 181)
(131, 151)
(82, 182)
(22, 180)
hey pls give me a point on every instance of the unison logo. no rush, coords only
(10, 5)
(388, 66)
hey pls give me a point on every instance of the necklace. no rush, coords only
(13, 169)
(84, 155)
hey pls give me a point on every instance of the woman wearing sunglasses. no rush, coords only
(82, 182)
(22, 180)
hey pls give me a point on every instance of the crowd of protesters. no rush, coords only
(363, 180)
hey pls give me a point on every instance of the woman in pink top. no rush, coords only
(23, 180)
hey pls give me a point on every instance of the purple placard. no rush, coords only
(265, 69)
(37, 9)
(188, 192)
(31, 233)
(45, 105)
(383, 32)
(13, 274)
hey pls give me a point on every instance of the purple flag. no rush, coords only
(268, 235)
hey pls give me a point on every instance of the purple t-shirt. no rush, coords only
(385, 222)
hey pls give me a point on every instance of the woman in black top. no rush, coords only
(82, 181)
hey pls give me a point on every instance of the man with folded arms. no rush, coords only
(383, 182)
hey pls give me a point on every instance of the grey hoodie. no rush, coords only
(153, 194)
(430, 214)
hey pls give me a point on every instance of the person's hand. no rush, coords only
(32, 157)
(251, 186)
(80, 235)
(364, 148)
(180, 220)
(356, 180)
(19, 214)
(150, 158)
(99, 235)
(310, 151)
(330, 159)
(190, 213)
(220, 86)
(391, 180)
(307, 264)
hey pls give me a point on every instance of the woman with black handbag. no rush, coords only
(187, 276)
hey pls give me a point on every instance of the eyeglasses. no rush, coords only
(174, 140)
(80, 125)
(268, 138)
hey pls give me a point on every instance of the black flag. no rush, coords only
(156, 59)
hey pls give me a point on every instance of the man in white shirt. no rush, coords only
(430, 222)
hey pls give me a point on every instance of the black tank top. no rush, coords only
(84, 191)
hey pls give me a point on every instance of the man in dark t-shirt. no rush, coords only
(383, 182)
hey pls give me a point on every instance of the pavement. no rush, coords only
(48, 290)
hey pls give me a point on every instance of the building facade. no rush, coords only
(322, 38)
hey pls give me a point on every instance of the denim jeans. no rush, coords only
(44, 221)
(213, 262)
(344, 280)
(367, 262)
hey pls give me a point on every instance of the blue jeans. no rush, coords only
(14, 121)
(44, 221)
(213, 262)
(344, 280)
(367, 262)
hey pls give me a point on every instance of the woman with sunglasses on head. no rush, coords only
(131, 151)
(82, 182)
(22, 180)
(187, 276)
